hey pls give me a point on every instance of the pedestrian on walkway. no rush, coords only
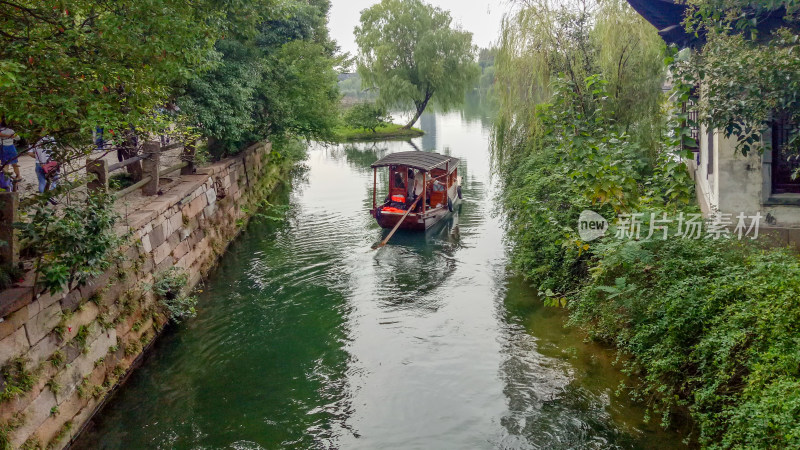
(9, 153)
(46, 167)
(97, 137)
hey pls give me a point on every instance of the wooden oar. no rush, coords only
(394, 230)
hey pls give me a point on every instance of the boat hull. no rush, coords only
(414, 221)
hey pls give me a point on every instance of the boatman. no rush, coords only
(418, 186)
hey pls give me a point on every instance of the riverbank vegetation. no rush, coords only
(708, 326)
(239, 72)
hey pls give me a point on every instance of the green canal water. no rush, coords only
(306, 338)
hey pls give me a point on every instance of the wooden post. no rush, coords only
(374, 188)
(9, 250)
(150, 166)
(424, 190)
(189, 151)
(128, 150)
(98, 168)
(447, 179)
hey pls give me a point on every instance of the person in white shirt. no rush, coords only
(419, 184)
(9, 152)
(42, 153)
(415, 185)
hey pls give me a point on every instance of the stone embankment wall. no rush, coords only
(62, 354)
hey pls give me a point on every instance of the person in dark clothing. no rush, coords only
(398, 180)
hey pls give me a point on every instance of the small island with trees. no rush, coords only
(412, 55)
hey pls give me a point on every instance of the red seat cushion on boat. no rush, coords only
(391, 209)
(399, 198)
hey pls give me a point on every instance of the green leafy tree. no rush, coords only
(69, 66)
(273, 83)
(366, 115)
(72, 65)
(413, 54)
(221, 102)
(543, 42)
(299, 95)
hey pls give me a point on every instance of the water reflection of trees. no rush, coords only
(427, 123)
(361, 156)
(479, 108)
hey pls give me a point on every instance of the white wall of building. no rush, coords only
(740, 184)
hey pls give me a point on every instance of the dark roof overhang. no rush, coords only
(425, 161)
(668, 16)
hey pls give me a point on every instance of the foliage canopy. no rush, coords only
(240, 70)
(275, 82)
(543, 41)
(70, 66)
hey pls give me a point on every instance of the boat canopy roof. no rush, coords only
(424, 161)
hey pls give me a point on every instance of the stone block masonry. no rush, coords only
(63, 354)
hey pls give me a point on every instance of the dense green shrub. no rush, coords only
(72, 243)
(366, 115)
(541, 205)
(712, 326)
(709, 327)
(579, 158)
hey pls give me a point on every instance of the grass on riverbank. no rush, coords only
(386, 132)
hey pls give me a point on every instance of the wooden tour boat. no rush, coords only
(424, 188)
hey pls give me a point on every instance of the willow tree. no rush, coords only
(544, 40)
(412, 54)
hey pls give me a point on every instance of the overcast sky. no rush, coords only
(480, 17)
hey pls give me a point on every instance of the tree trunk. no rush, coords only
(420, 109)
